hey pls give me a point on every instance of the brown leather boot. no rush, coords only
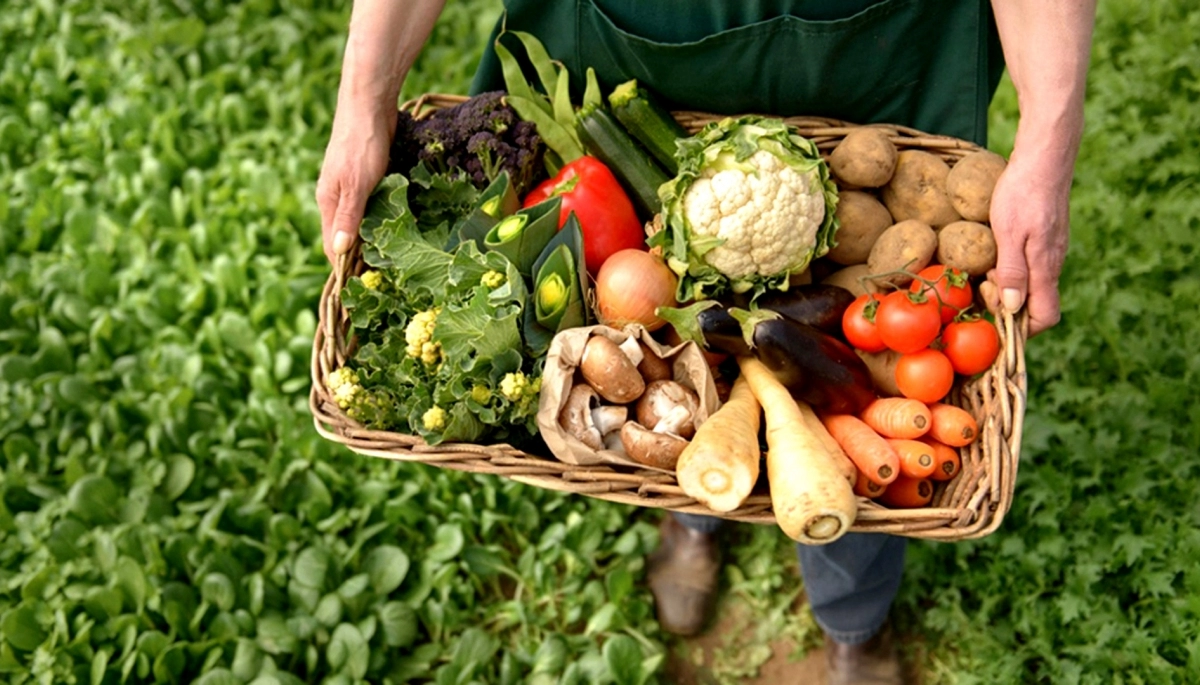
(682, 575)
(873, 662)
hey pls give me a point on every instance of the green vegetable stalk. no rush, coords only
(497, 201)
(559, 288)
(438, 331)
(521, 237)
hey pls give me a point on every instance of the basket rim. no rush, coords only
(1001, 391)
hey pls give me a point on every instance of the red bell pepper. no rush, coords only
(606, 216)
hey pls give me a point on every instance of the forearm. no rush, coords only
(384, 40)
(1046, 47)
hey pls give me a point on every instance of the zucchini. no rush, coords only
(648, 122)
(604, 138)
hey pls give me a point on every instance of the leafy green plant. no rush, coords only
(167, 512)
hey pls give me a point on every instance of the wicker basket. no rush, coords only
(971, 505)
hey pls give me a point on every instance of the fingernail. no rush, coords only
(1011, 297)
(342, 242)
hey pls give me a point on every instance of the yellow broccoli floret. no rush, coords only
(344, 384)
(481, 394)
(371, 280)
(513, 386)
(492, 280)
(434, 419)
(417, 337)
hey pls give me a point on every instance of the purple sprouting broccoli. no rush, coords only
(403, 154)
(480, 137)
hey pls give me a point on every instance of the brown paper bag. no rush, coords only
(687, 364)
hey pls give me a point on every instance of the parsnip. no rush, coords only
(720, 466)
(813, 502)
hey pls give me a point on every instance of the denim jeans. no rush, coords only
(850, 583)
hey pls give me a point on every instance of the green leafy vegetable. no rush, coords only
(454, 326)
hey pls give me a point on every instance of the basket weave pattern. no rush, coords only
(969, 506)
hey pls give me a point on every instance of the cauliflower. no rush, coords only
(513, 386)
(767, 219)
(492, 279)
(345, 386)
(434, 419)
(481, 394)
(516, 386)
(751, 205)
(418, 334)
(371, 280)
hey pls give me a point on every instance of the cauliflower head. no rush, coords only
(418, 337)
(766, 219)
(752, 204)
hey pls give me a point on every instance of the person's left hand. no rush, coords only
(1030, 216)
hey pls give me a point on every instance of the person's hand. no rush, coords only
(355, 160)
(1030, 218)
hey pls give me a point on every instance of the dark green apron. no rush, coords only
(929, 64)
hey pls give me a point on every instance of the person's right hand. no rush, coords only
(355, 160)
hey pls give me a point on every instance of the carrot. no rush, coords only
(916, 457)
(946, 461)
(907, 493)
(869, 451)
(952, 425)
(865, 487)
(897, 417)
(813, 503)
(720, 465)
(847, 467)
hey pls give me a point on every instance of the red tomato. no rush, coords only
(907, 322)
(606, 216)
(950, 287)
(858, 324)
(925, 375)
(971, 346)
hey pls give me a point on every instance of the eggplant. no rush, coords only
(815, 367)
(721, 331)
(708, 324)
(817, 304)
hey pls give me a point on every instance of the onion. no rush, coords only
(630, 286)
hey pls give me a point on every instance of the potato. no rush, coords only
(918, 190)
(862, 219)
(908, 245)
(865, 158)
(853, 278)
(971, 181)
(882, 367)
(802, 278)
(967, 246)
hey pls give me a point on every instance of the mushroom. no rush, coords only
(653, 367)
(609, 418)
(610, 371)
(660, 450)
(632, 349)
(664, 397)
(613, 443)
(576, 416)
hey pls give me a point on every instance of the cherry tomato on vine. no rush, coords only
(925, 375)
(950, 287)
(908, 322)
(858, 324)
(971, 346)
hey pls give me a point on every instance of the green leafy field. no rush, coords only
(168, 513)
